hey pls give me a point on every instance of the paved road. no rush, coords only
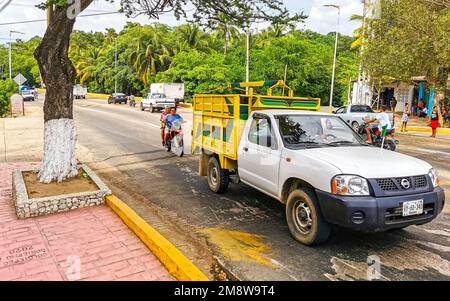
(244, 229)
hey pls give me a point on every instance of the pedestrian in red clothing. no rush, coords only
(434, 121)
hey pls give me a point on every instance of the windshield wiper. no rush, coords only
(343, 142)
(307, 144)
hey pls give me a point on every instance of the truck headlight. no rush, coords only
(349, 185)
(433, 176)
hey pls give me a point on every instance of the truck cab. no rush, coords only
(312, 162)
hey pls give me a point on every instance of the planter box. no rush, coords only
(30, 207)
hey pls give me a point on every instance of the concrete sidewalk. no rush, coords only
(21, 138)
(86, 244)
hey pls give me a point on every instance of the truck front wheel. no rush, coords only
(304, 218)
(218, 178)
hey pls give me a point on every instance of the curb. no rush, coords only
(185, 105)
(427, 129)
(178, 265)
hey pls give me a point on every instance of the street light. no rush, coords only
(115, 65)
(330, 108)
(9, 53)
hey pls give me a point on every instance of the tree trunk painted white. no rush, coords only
(59, 161)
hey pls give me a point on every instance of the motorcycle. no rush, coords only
(132, 102)
(175, 141)
(377, 139)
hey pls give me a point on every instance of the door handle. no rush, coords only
(245, 149)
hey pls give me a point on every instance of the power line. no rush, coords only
(44, 20)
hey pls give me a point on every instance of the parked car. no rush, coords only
(29, 95)
(314, 163)
(354, 115)
(157, 102)
(117, 98)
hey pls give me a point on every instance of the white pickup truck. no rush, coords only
(321, 169)
(156, 102)
(354, 115)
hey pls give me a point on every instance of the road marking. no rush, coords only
(427, 150)
(240, 246)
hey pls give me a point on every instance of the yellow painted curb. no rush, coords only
(427, 129)
(95, 95)
(176, 262)
(185, 105)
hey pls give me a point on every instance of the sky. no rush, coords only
(321, 19)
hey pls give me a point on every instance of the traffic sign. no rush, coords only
(20, 79)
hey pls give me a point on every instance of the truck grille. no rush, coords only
(395, 184)
(420, 182)
(387, 184)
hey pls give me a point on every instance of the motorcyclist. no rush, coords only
(163, 123)
(169, 119)
(132, 101)
(383, 119)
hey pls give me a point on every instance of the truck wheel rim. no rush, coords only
(302, 217)
(356, 127)
(214, 175)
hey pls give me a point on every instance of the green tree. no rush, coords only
(7, 88)
(410, 39)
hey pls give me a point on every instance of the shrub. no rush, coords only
(7, 88)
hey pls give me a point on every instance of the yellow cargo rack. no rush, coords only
(219, 119)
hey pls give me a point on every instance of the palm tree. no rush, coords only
(149, 57)
(85, 61)
(358, 32)
(194, 37)
(225, 31)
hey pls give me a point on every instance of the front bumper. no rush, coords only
(159, 105)
(378, 214)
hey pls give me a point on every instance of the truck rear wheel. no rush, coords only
(218, 178)
(305, 221)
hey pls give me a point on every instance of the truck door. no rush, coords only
(259, 155)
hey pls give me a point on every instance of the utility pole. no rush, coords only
(330, 106)
(115, 65)
(247, 60)
(285, 76)
(361, 80)
(10, 51)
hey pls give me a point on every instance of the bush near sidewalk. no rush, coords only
(7, 88)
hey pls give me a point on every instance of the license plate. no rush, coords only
(412, 208)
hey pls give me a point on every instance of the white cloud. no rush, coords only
(320, 19)
(324, 19)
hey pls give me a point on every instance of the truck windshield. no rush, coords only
(299, 131)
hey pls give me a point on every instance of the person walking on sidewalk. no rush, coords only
(393, 104)
(434, 121)
(413, 107)
(405, 118)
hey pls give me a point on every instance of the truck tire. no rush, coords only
(305, 221)
(355, 126)
(142, 107)
(152, 109)
(218, 178)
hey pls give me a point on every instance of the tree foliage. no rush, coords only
(7, 88)
(410, 39)
(189, 54)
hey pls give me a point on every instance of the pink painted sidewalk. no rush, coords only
(86, 244)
